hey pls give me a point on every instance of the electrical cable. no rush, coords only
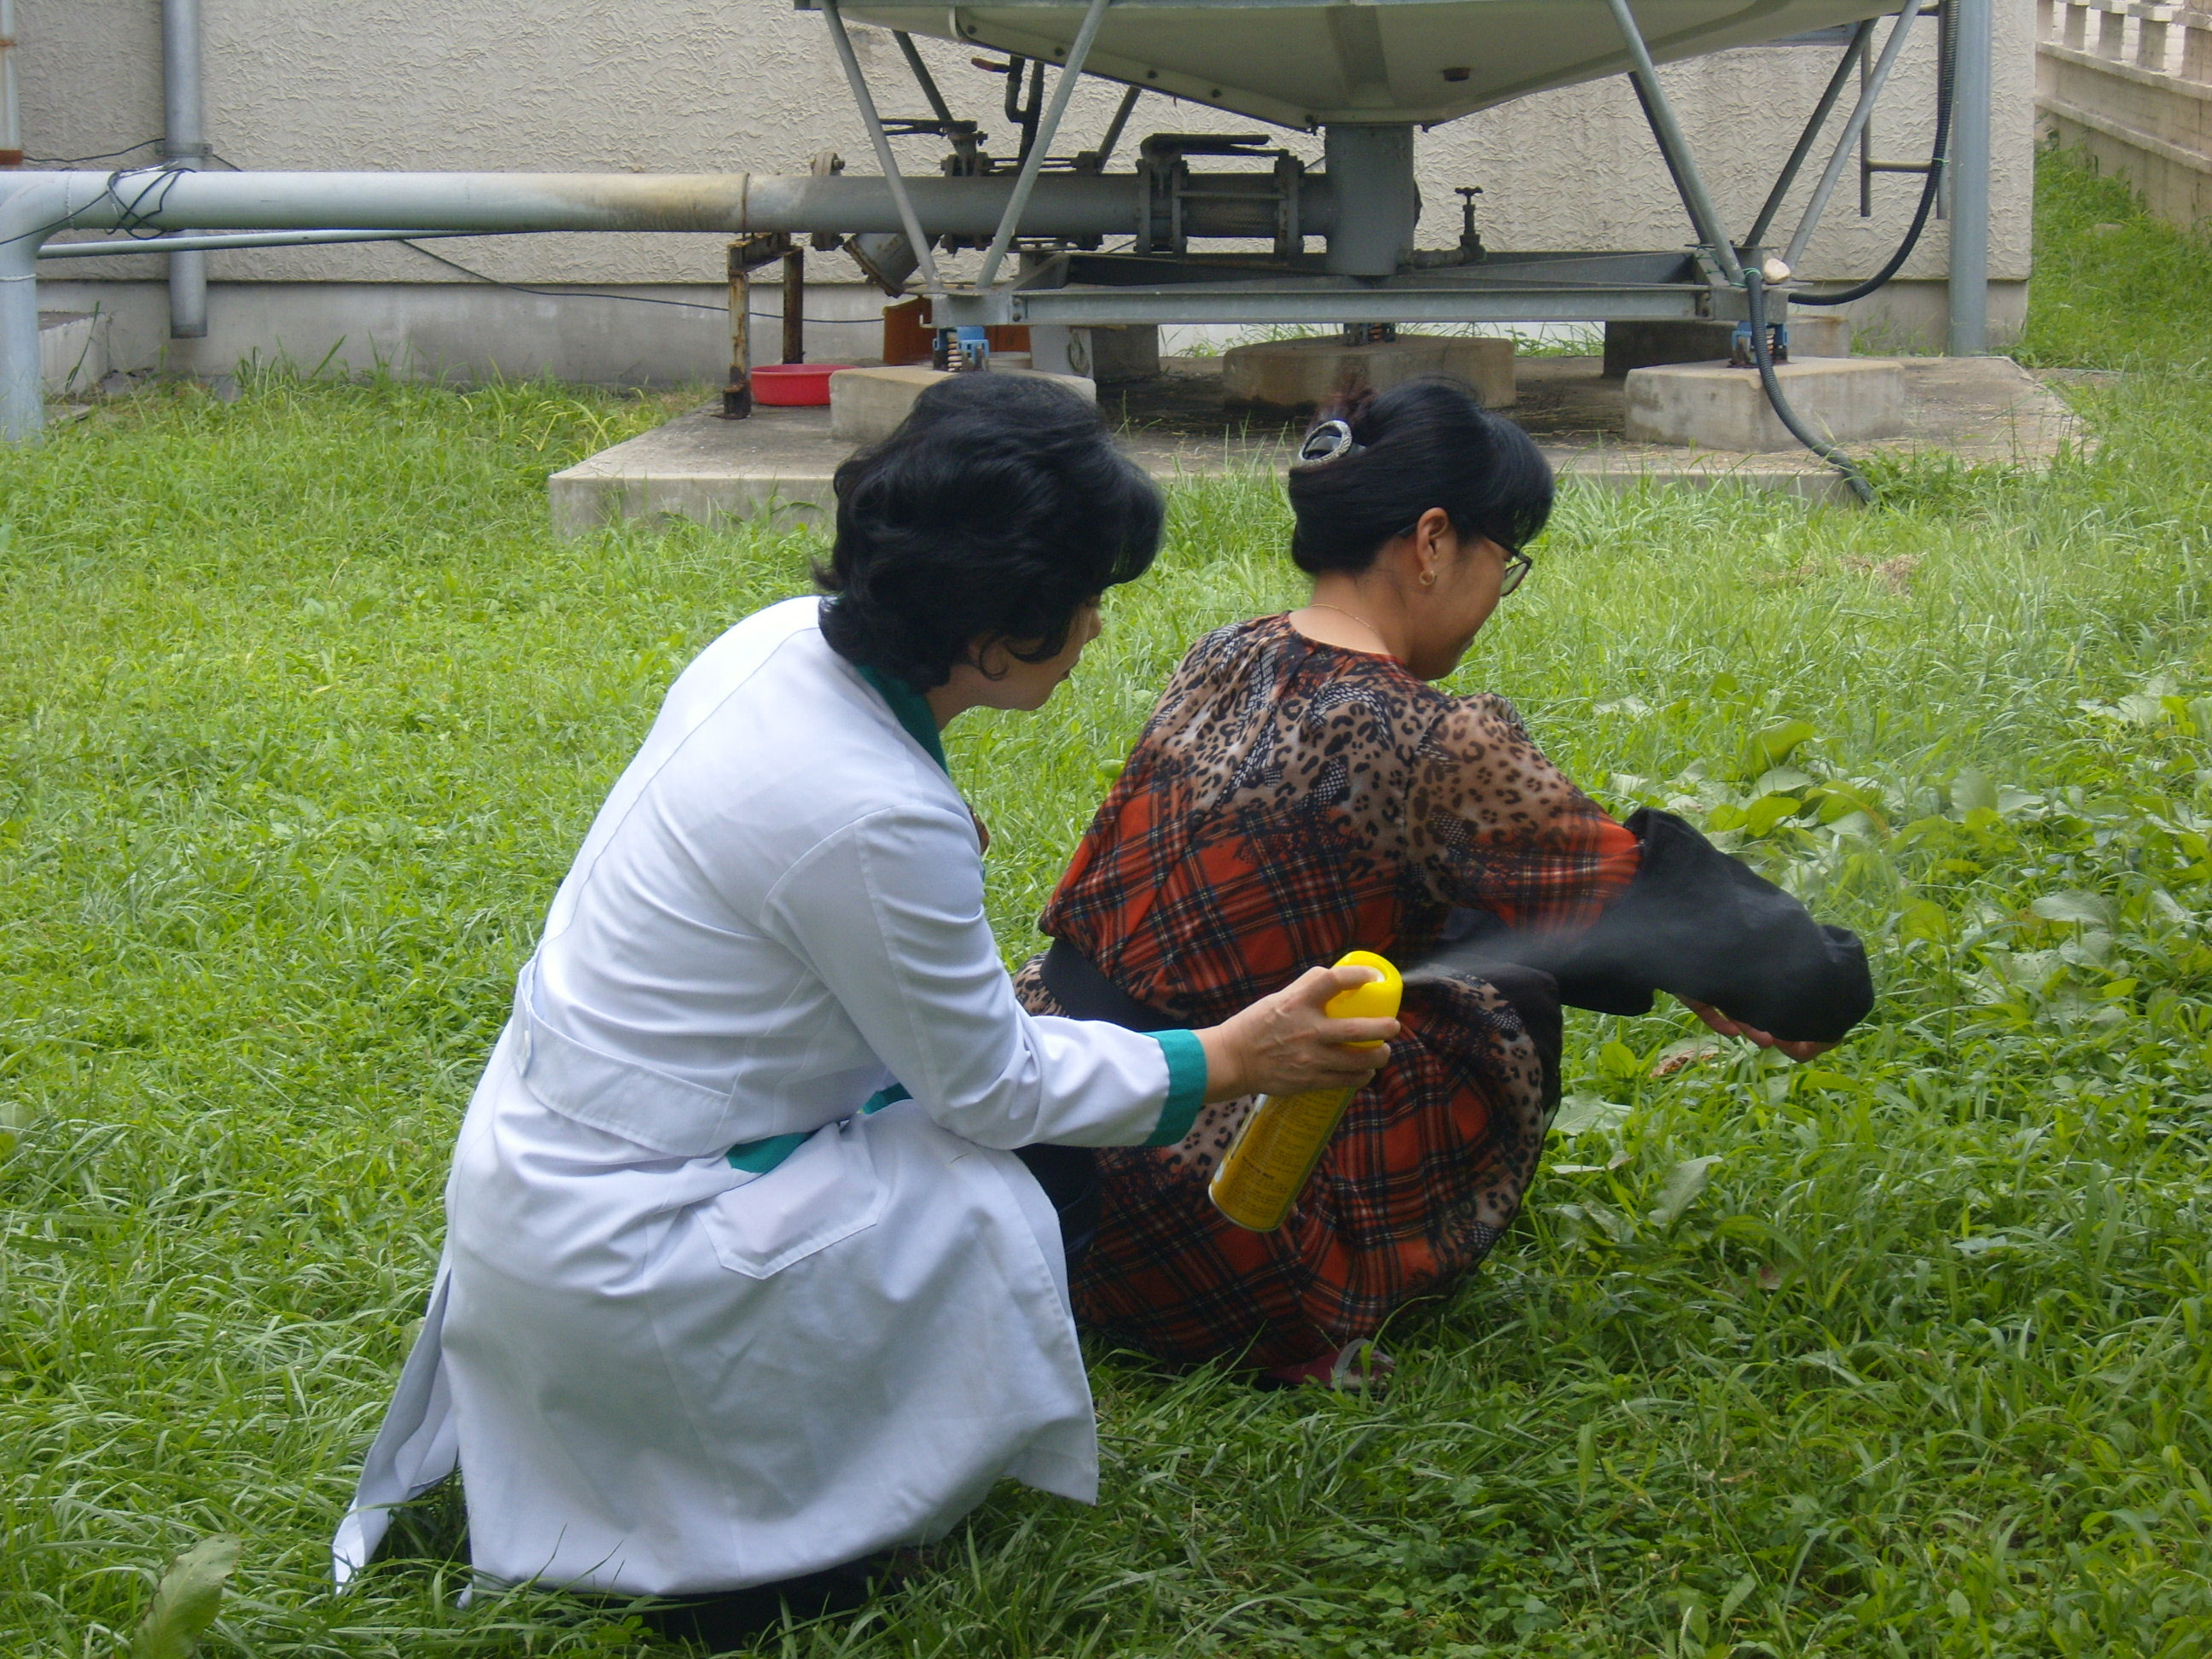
(82, 160)
(1939, 156)
(132, 222)
(1754, 289)
(588, 293)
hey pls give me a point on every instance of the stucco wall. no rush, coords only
(693, 85)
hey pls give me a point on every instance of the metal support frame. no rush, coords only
(1674, 146)
(909, 221)
(747, 255)
(1048, 129)
(1309, 301)
(794, 305)
(1969, 175)
(1868, 166)
(1099, 157)
(1081, 290)
(184, 145)
(922, 77)
(1853, 55)
(1900, 31)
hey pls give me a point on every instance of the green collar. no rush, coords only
(912, 712)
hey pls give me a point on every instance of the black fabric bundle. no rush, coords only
(1699, 924)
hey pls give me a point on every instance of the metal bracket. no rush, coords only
(1660, 112)
(909, 219)
(1853, 53)
(747, 255)
(1879, 77)
(1048, 129)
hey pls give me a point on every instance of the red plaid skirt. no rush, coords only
(1423, 1174)
(1290, 801)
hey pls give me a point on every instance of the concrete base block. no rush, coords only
(866, 404)
(1292, 375)
(1716, 406)
(1124, 353)
(1645, 345)
(73, 355)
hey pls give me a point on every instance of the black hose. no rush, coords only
(1754, 289)
(1938, 155)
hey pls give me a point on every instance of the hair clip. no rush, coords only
(1332, 441)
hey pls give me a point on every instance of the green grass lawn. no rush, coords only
(302, 713)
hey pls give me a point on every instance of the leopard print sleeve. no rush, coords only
(1495, 826)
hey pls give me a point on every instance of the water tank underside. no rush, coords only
(1303, 65)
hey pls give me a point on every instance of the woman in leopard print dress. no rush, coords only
(1302, 788)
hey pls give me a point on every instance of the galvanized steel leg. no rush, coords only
(1852, 128)
(1969, 175)
(1821, 110)
(184, 145)
(1070, 73)
(1674, 146)
(922, 77)
(1114, 127)
(908, 220)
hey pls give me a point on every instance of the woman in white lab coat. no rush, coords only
(744, 1280)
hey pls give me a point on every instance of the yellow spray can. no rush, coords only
(1276, 1151)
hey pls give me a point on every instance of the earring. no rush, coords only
(1428, 578)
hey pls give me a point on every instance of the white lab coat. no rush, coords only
(659, 1373)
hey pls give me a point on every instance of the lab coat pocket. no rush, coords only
(824, 1192)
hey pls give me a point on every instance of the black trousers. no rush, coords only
(1069, 1175)
(731, 1619)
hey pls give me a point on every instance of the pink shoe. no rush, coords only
(1356, 1368)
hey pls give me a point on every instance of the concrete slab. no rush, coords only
(1645, 345)
(73, 354)
(1299, 375)
(1983, 410)
(1720, 406)
(866, 404)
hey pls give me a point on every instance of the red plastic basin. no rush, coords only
(794, 385)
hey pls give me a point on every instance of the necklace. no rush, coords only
(1321, 604)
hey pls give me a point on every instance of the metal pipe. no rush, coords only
(184, 144)
(923, 78)
(1969, 172)
(36, 205)
(859, 82)
(1890, 48)
(245, 239)
(1070, 73)
(1676, 148)
(22, 389)
(1821, 110)
(1062, 204)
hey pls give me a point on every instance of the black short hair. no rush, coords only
(1426, 443)
(997, 510)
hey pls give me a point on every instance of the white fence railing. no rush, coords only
(2132, 81)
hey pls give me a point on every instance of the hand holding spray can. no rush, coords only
(1274, 1154)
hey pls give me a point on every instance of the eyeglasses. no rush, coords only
(1517, 563)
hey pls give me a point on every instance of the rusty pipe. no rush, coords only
(735, 203)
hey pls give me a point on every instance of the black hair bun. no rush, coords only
(1427, 443)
